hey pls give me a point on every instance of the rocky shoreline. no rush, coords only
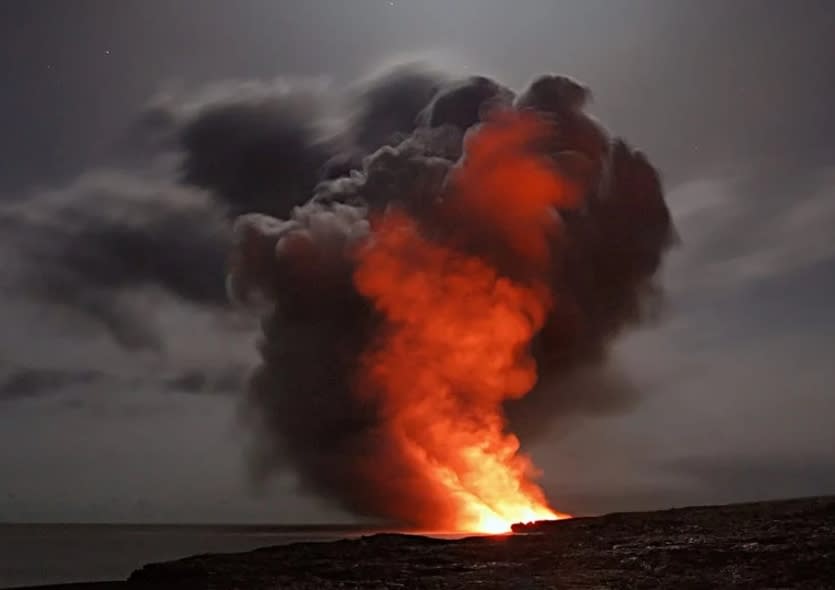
(781, 544)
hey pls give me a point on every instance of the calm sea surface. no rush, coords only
(49, 554)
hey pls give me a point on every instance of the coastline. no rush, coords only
(786, 544)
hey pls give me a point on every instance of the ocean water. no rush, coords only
(32, 554)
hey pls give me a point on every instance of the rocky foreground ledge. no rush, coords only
(785, 544)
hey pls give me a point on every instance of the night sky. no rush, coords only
(119, 378)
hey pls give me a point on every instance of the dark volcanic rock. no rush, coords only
(787, 544)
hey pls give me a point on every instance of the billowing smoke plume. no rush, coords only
(427, 153)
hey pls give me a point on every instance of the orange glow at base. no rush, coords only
(456, 335)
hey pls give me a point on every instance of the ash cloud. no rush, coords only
(199, 381)
(387, 106)
(304, 168)
(261, 155)
(162, 224)
(91, 246)
(25, 381)
(301, 403)
(263, 147)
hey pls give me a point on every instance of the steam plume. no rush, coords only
(579, 267)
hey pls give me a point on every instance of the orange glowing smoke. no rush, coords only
(456, 335)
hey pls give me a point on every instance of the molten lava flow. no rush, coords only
(457, 331)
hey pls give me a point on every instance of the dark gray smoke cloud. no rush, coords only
(199, 159)
(316, 325)
(264, 147)
(309, 168)
(386, 107)
(90, 247)
(255, 147)
(22, 381)
(464, 103)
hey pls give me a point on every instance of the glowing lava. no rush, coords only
(456, 333)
